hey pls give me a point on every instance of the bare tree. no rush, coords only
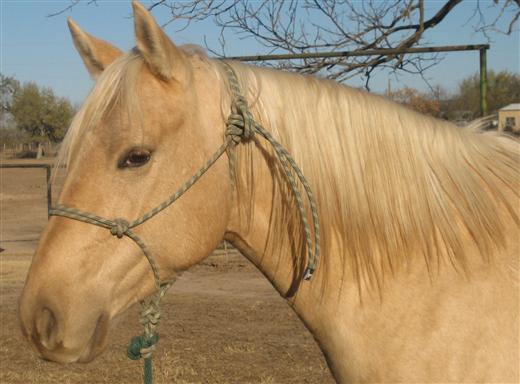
(507, 10)
(302, 26)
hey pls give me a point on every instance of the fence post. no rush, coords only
(483, 81)
(49, 189)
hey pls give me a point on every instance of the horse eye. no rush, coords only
(135, 158)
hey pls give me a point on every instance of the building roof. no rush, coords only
(511, 107)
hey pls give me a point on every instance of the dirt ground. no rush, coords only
(222, 322)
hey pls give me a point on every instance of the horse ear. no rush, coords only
(162, 57)
(95, 53)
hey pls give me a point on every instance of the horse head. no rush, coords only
(152, 119)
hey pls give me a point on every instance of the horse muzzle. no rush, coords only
(63, 334)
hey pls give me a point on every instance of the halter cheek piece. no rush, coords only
(240, 127)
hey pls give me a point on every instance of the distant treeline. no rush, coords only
(32, 116)
(464, 104)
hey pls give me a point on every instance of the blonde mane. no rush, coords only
(390, 182)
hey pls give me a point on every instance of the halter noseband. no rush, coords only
(241, 127)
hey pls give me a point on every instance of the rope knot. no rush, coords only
(240, 123)
(119, 227)
(142, 346)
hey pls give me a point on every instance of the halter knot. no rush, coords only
(240, 123)
(142, 346)
(119, 227)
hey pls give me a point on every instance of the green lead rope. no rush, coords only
(134, 352)
(241, 127)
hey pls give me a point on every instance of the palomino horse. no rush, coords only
(418, 280)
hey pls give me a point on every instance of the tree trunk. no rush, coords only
(39, 152)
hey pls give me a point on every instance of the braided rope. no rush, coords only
(241, 127)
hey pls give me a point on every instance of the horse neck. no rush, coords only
(376, 168)
(265, 224)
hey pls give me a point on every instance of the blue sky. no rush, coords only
(34, 47)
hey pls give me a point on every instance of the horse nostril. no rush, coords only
(46, 328)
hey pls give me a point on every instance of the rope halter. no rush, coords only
(119, 228)
(240, 127)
